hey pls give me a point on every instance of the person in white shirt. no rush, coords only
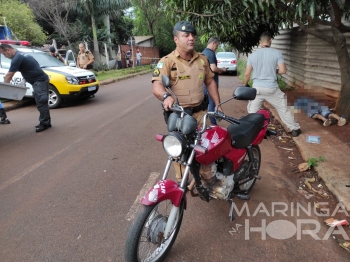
(138, 57)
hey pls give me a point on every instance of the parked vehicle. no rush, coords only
(228, 60)
(233, 154)
(5, 33)
(66, 82)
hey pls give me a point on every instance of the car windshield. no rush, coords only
(45, 60)
(225, 55)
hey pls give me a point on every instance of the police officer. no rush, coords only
(187, 70)
(54, 54)
(85, 58)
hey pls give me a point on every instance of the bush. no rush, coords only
(99, 66)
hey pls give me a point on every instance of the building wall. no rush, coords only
(311, 62)
(148, 54)
(147, 43)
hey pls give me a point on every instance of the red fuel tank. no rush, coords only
(217, 141)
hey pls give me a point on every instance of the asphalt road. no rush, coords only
(70, 192)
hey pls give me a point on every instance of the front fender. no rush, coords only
(163, 190)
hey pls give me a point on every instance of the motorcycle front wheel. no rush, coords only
(145, 240)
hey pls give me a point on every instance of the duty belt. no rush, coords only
(201, 107)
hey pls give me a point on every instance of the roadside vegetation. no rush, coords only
(115, 74)
(21, 20)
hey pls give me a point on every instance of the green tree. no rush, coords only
(147, 22)
(240, 23)
(56, 14)
(99, 9)
(20, 19)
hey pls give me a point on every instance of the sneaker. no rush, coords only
(296, 132)
(4, 121)
(341, 121)
(39, 128)
(327, 122)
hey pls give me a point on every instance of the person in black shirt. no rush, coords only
(209, 52)
(56, 54)
(33, 74)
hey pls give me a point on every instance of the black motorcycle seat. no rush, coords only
(243, 134)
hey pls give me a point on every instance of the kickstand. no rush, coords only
(231, 213)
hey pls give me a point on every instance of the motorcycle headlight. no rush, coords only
(72, 80)
(173, 144)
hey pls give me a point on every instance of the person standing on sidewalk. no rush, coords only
(209, 52)
(119, 60)
(3, 116)
(138, 57)
(33, 74)
(263, 63)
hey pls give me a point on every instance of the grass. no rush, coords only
(114, 74)
(281, 83)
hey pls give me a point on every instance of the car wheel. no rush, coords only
(55, 99)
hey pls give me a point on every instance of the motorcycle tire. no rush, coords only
(143, 235)
(246, 187)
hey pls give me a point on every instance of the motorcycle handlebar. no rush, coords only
(221, 115)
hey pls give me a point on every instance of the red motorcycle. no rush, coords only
(233, 154)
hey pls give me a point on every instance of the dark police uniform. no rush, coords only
(33, 74)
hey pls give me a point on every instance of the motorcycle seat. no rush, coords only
(243, 134)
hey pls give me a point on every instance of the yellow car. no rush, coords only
(66, 82)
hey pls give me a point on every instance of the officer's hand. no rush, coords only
(168, 102)
(220, 109)
(84, 66)
(224, 69)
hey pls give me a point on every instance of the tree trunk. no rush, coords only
(94, 35)
(343, 102)
(107, 24)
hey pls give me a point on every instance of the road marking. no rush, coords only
(135, 207)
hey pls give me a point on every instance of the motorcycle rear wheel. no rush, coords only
(247, 186)
(142, 242)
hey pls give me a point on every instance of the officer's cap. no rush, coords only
(52, 49)
(184, 26)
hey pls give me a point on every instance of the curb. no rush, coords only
(117, 79)
(14, 104)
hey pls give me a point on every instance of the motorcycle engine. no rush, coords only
(223, 186)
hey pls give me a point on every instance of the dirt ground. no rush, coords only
(290, 156)
(342, 132)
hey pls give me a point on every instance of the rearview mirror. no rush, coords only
(244, 93)
(166, 81)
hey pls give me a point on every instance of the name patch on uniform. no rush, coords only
(184, 77)
(156, 73)
(160, 65)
